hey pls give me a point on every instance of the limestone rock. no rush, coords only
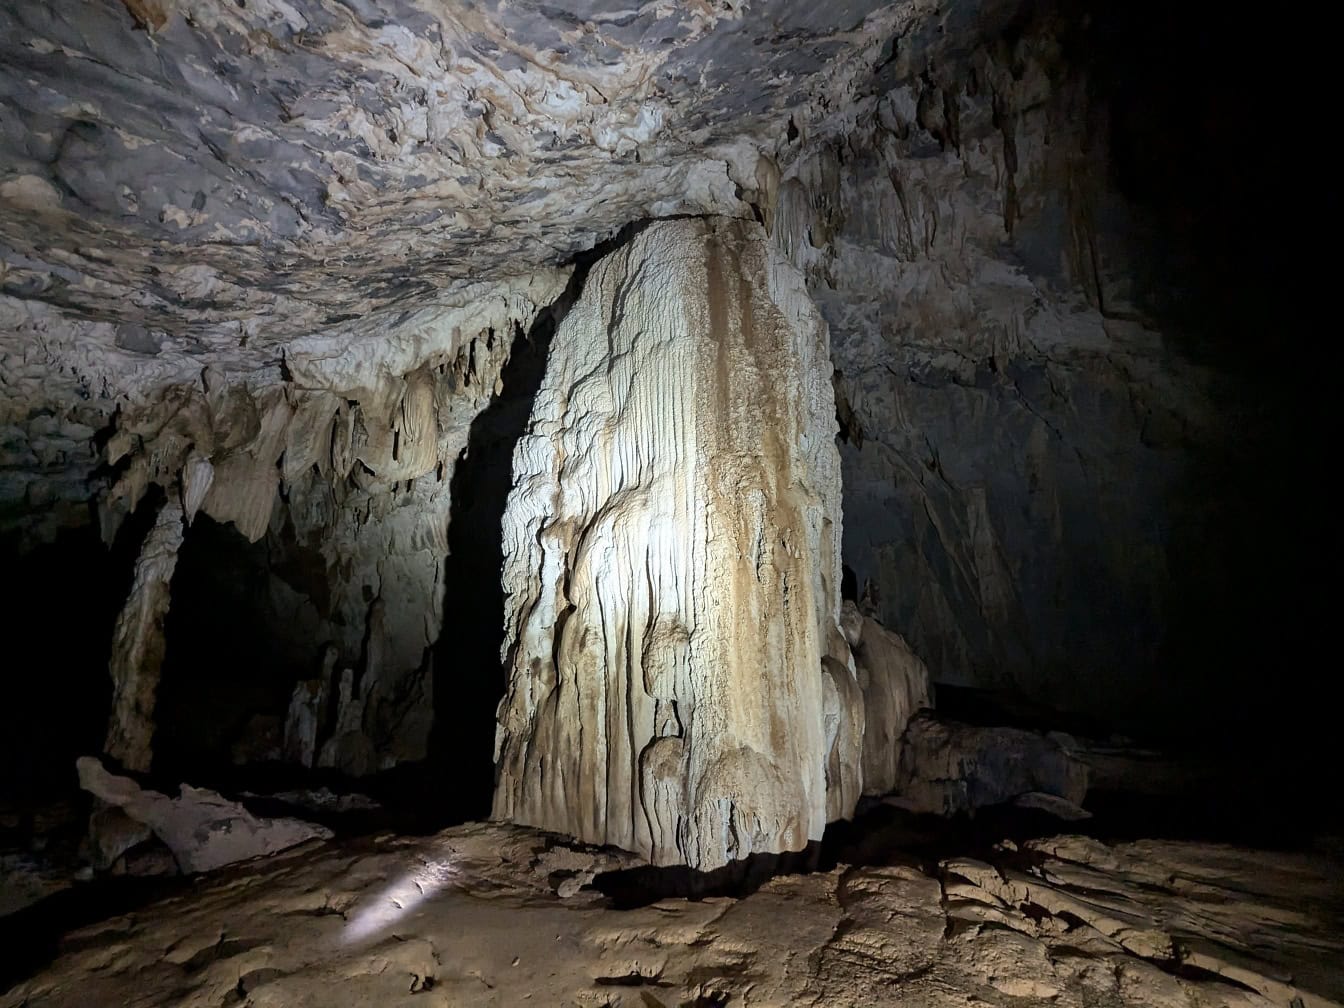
(303, 721)
(202, 829)
(895, 687)
(112, 832)
(672, 564)
(138, 642)
(947, 767)
(342, 462)
(1017, 431)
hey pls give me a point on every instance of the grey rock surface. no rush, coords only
(1021, 438)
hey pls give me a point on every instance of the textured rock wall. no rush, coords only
(342, 461)
(672, 564)
(1019, 440)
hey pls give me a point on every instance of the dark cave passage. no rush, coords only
(470, 674)
(225, 664)
(62, 603)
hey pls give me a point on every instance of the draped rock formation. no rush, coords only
(895, 687)
(342, 461)
(672, 563)
(138, 643)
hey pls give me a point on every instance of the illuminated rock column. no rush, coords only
(138, 642)
(672, 562)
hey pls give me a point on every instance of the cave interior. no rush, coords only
(663, 455)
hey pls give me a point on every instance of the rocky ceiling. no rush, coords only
(217, 178)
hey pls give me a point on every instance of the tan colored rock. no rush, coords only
(895, 686)
(490, 915)
(138, 642)
(672, 564)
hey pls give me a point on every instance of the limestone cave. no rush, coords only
(687, 503)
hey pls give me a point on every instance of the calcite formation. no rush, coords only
(343, 458)
(672, 563)
(895, 686)
(138, 642)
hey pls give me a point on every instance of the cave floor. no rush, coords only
(496, 915)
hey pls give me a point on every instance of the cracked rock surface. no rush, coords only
(482, 914)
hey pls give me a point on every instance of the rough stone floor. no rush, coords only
(494, 915)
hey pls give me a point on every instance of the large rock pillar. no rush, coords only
(138, 642)
(672, 560)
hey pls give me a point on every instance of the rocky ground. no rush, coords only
(496, 915)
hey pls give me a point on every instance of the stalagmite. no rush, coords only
(672, 562)
(138, 642)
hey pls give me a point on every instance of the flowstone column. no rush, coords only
(672, 562)
(138, 642)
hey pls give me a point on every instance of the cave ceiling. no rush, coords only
(212, 180)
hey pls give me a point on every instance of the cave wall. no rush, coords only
(672, 563)
(341, 461)
(1027, 446)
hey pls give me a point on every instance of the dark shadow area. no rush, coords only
(468, 671)
(222, 663)
(32, 937)
(62, 603)
(1200, 146)
(635, 887)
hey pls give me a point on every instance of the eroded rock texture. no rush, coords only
(672, 562)
(138, 643)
